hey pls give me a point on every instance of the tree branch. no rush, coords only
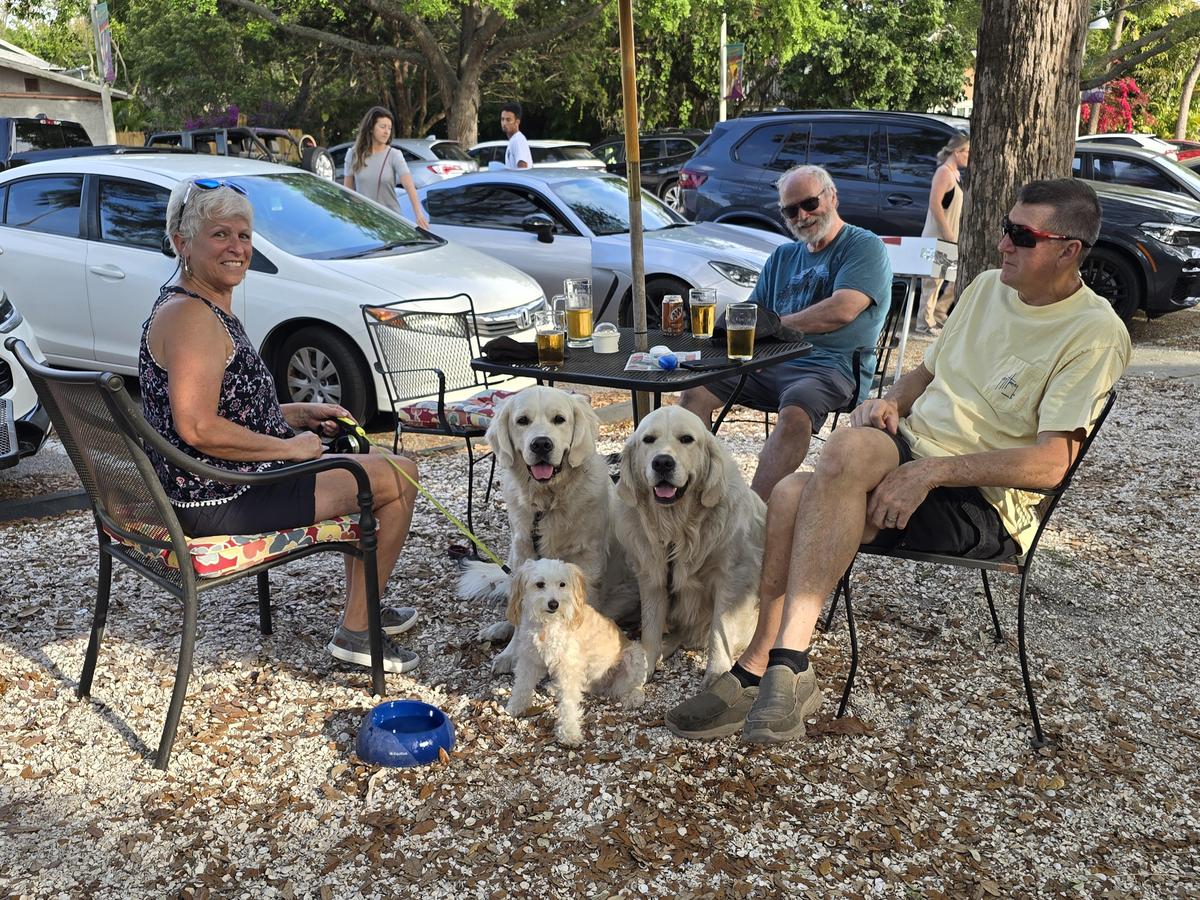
(370, 51)
(1178, 34)
(532, 39)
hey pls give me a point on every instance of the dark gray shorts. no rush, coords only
(264, 507)
(818, 390)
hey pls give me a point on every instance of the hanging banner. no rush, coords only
(103, 33)
(733, 71)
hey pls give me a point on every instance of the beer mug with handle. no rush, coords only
(578, 295)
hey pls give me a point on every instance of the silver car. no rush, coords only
(429, 159)
(561, 223)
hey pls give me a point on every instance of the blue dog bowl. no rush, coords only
(404, 733)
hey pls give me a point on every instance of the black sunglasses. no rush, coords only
(1024, 236)
(808, 205)
(208, 184)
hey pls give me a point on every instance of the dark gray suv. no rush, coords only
(881, 162)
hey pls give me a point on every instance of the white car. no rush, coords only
(429, 159)
(23, 421)
(563, 223)
(546, 154)
(81, 255)
(1145, 141)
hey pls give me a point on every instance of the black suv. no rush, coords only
(881, 162)
(662, 153)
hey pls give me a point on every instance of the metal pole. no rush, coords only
(633, 172)
(724, 70)
(110, 131)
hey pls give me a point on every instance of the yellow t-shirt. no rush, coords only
(1003, 371)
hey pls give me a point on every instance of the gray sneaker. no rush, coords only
(785, 700)
(353, 647)
(397, 619)
(717, 711)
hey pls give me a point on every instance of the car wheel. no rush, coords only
(1112, 277)
(656, 289)
(316, 365)
(672, 195)
(318, 161)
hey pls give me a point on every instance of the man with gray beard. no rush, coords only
(835, 285)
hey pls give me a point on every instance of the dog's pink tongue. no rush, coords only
(665, 491)
(542, 471)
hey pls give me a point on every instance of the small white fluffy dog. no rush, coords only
(561, 634)
(685, 509)
(560, 503)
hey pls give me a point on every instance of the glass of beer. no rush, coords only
(740, 319)
(551, 328)
(579, 311)
(704, 311)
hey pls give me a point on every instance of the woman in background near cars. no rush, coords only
(374, 167)
(941, 221)
(206, 390)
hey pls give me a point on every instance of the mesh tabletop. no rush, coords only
(584, 366)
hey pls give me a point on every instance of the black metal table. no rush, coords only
(584, 366)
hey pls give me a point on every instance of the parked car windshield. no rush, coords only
(308, 216)
(1181, 171)
(603, 205)
(449, 150)
(559, 154)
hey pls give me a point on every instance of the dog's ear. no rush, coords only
(721, 468)
(516, 593)
(498, 436)
(627, 486)
(585, 425)
(579, 595)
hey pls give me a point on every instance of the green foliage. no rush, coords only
(893, 55)
(60, 34)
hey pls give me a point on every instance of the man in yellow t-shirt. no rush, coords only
(1004, 398)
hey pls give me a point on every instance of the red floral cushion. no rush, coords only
(474, 412)
(224, 554)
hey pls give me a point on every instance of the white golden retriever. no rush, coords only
(562, 635)
(560, 503)
(693, 532)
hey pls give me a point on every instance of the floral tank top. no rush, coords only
(247, 398)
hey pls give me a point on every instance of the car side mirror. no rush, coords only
(541, 225)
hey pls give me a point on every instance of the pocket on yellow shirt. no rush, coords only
(1015, 385)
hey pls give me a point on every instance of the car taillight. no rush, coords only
(445, 168)
(691, 180)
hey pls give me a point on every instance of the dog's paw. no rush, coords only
(504, 664)
(516, 710)
(569, 737)
(496, 632)
(634, 699)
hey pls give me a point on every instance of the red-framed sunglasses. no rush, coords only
(1024, 236)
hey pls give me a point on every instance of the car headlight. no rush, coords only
(739, 275)
(9, 317)
(1173, 234)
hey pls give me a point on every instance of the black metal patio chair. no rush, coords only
(105, 435)
(1017, 565)
(406, 336)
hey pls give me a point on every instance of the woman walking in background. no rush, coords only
(374, 167)
(941, 221)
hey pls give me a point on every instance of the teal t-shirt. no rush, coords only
(794, 279)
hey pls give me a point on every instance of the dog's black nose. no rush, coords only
(541, 446)
(552, 605)
(663, 464)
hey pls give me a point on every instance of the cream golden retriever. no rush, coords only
(560, 503)
(560, 634)
(693, 532)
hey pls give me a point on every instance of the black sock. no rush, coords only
(796, 660)
(747, 678)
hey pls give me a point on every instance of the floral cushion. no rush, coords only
(473, 412)
(224, 554)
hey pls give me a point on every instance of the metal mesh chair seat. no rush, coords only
(105, 436)
(423, 349)
(1020, 566)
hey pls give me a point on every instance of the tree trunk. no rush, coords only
(1118, 25)
(1030, 53)
(1185, 100)
(462, 120)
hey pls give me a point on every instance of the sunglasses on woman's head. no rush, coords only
(809, 204)
(1024, 236)
(208, 184)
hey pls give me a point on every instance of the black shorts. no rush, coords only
(957, 521)
(818, 390)
(262, 508)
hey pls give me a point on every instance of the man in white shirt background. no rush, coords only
(517, 155)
